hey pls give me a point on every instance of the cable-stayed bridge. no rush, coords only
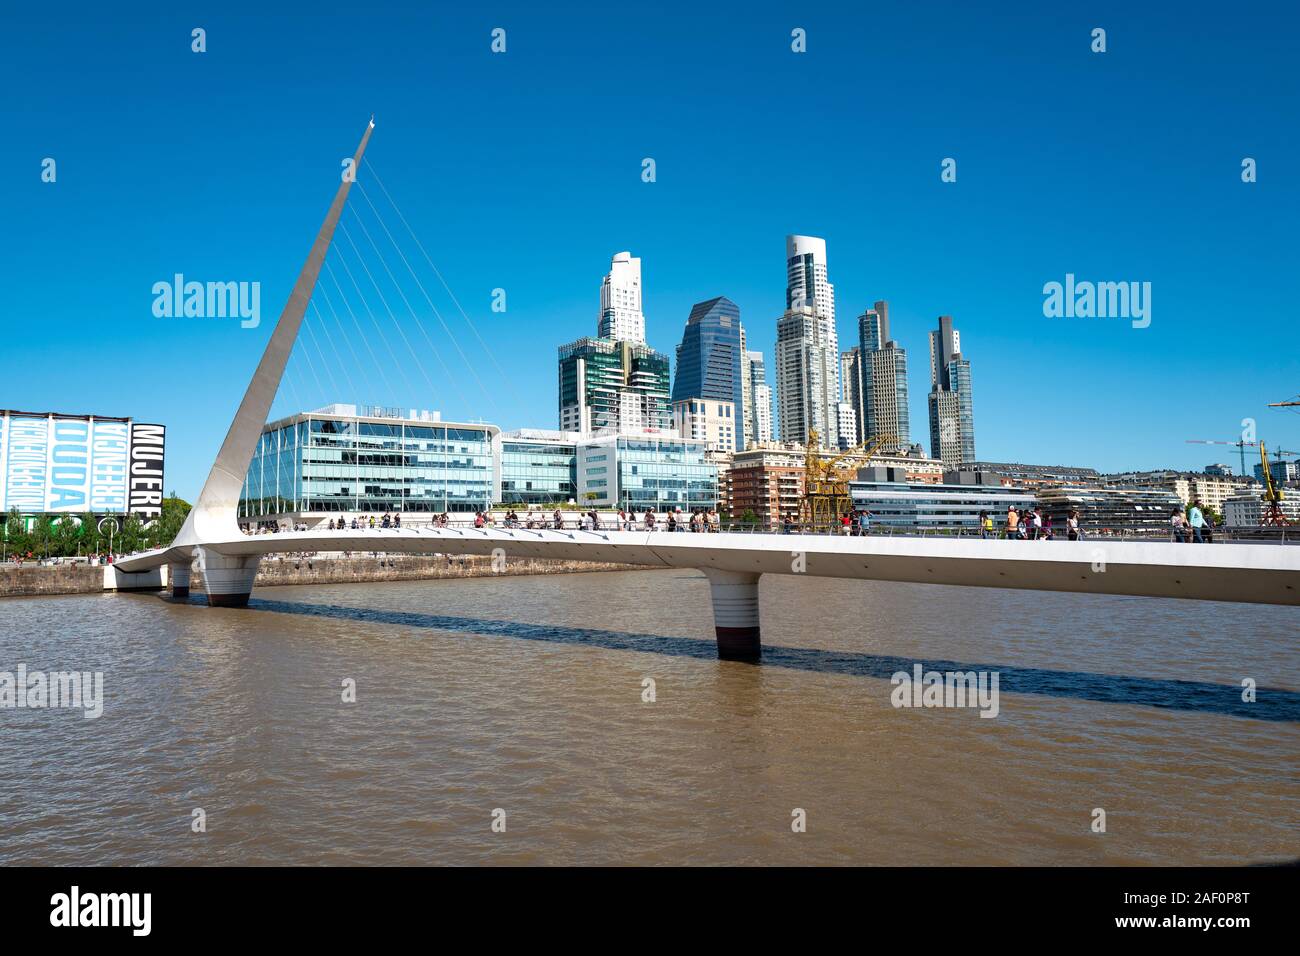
(733, 562)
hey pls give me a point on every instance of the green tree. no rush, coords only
(17, 540)
(67, 536)
(88, 533)
(164, 529)
(131, 537)
(43, 536)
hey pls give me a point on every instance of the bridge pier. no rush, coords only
(735, 614)
(178, 576)
(227, 579)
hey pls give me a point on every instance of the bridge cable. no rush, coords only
(371, 276)
(320, 319)
(436, 354)
(446, 328)
(509, 382)
(364, 341)
(320, 287)
(310, 364)
(324, 364)
(342, 364)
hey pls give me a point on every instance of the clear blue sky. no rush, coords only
(523, 171)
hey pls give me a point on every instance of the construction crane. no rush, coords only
(826, 481)
(1272, 514)
(1241, 446)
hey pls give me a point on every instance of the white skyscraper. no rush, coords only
(807, 347)
(758, 400)
(621, 317)
(807, 377)
(848, 424)
(806, 281)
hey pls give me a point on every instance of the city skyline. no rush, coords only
(1032, 203)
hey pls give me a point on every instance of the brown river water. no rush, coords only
(524, 695)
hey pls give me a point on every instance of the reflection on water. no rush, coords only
(525, 694)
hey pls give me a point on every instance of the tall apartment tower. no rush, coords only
(848, 425)
(621, 318)
(615, 381)
(807, 377)
(758, 404)
(807, 347)
(851, 390)
(807, 284)
(952, 416)
(710, 358)
(881, 385)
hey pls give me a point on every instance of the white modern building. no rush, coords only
(621, 318)
(1209, 490)
(708, 420)
(910, 506)
(758, 401)
(851, 388)
(847, 424)
(807, 283)
(807, 347)
(1247, 510)
(344, 460)
(807, 377)
(651, 470)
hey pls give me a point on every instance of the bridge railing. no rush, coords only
(1106, 532)
(1100, 532)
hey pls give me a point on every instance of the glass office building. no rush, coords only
(607, 384)
(710, 359)
(369, 460)
(538, 467)
(908, 506)
(1112, 509)
(637, 472)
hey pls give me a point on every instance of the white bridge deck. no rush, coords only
(1256, 573)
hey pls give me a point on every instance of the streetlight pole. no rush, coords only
(112, 529)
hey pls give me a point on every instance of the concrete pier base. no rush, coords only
(735, 614)
(115, 579)
(227, 579)
(178, 573)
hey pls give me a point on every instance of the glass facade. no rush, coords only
(905, 506)
(537, 472)
(1112, 508)
(637, 473)
(609, 384)
(710, 358)
(313, 463)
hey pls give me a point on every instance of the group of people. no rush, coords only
(1031, 524)
(1192, 527)
(856, 522)
(386, 520)
(701, 520)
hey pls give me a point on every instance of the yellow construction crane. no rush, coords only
(826, 481)
(1272, 513)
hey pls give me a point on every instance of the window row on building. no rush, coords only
(337, 460)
